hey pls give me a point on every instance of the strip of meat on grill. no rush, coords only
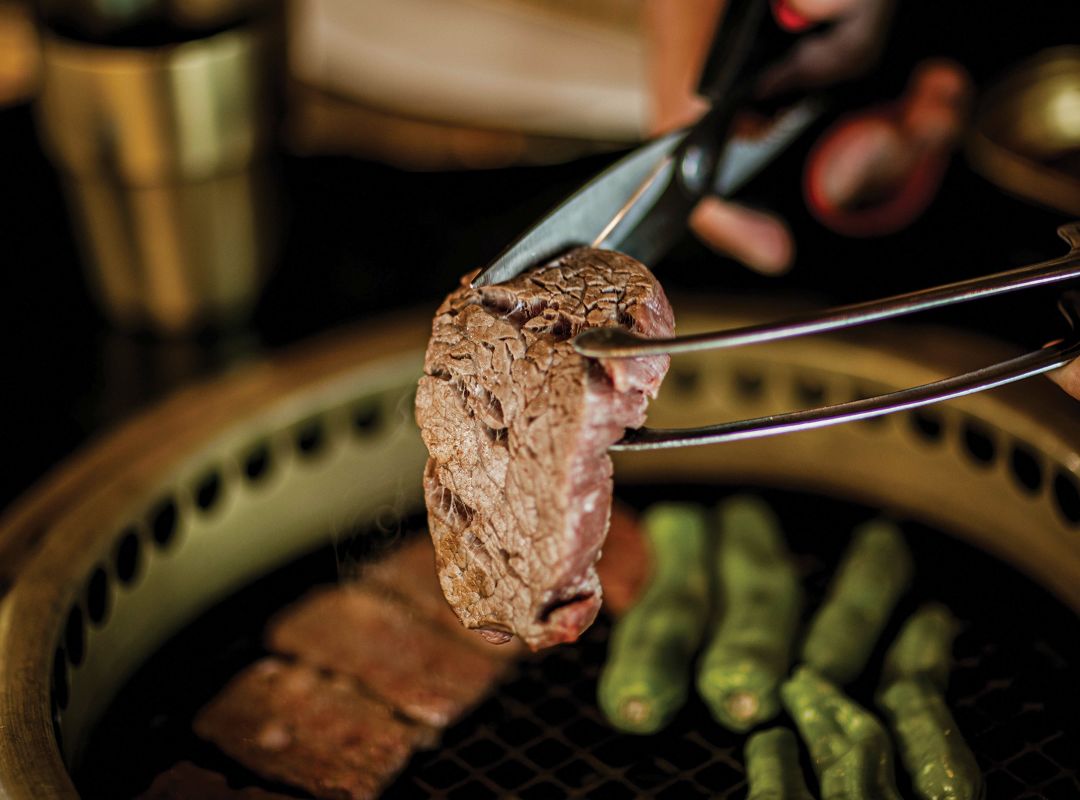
(423, 672)
(295, 724)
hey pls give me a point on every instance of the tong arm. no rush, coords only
(1014, 369)
(620, 343)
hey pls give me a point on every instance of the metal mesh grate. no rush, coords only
(541, 735)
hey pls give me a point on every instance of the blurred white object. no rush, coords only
(545, 68)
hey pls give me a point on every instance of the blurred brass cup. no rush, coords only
(163, 152)
(1026, 136)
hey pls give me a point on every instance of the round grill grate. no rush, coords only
(541, 735)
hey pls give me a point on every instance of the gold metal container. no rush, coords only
(163, 152)
(120, 548)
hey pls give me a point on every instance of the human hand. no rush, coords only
(1068, 378)
(887, 160)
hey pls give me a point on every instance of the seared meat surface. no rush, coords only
(293, 723)
(517, 425)
(426, 674)
(375, 669)
(408, 574)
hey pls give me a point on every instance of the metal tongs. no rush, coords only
(640, 207)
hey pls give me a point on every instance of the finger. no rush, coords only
(760, 241)
(678, 37)
(1068, 378)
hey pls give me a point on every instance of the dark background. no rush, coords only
(362, 239)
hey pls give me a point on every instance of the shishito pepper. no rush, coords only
(647, 674)
(849, 747)
(758, 593)
(923, 648)
(915, 675)
(874, 573)
(772, 767)
(937, 758)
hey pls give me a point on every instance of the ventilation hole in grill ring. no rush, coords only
(208, 490)
(1067, 496)
(979, 443)
(97, 596)
(257, 462)
(128, 556)
(1025, 468)
(310, 438)
(927, 425)
(749, 385)
(367, 418)
(809, 391)
(163, 522)
(685, 380)
(75, 636)
(60, 690)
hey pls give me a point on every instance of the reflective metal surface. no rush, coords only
(1026, 136)
(619, 343)
(1015, 369)
(611, 207)
(163, 154)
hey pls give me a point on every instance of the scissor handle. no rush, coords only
(750, 38)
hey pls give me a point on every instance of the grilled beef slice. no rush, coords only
(408, 574)
(626, 564)
(417, 668)
(517, 425)
(291, 723)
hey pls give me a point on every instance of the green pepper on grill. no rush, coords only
(757, 591)
(916, 672)
(849, 747)
(647, 674)
(941, 765)
(923, 648)
(874, 572)
(772, 767)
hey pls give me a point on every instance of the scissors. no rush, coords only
(641, 204)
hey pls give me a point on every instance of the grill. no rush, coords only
(541, 734)
(124, 549)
